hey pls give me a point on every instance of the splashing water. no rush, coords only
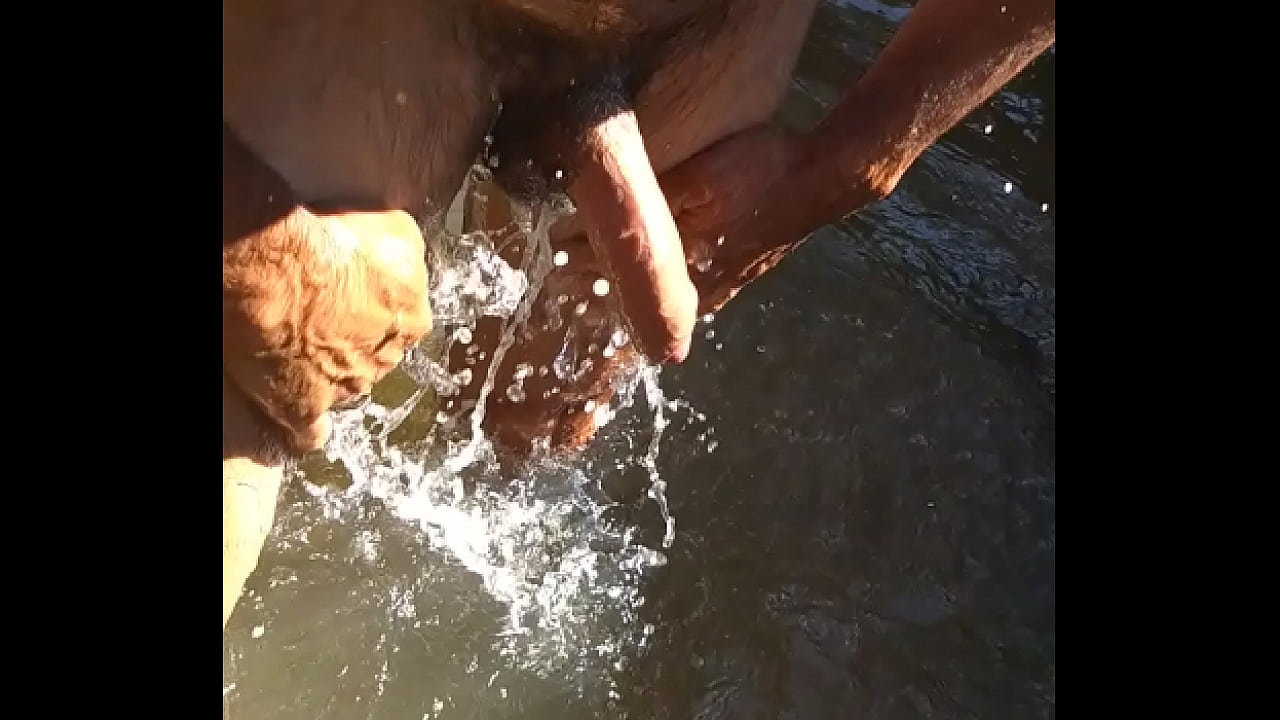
(541, 546)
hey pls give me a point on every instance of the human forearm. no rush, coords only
(946, 58)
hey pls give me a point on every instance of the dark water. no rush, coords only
(866, 517)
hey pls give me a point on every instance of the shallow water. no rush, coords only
(860, 463)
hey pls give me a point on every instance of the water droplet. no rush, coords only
(1044, 207)
(1008, 187)
(559, 174)
(720, 241)
(560, 259)
(463, 335)
(580, 309)
(257, 631)
(710, 334)
(759, 348)
(1004, 8)
(719, 346)
(600, 287)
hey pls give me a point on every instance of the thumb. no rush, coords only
(683, 190)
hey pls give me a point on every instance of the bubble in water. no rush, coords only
(515, 393)
(560, 259)
(1044, 207)
(607, 351)
(710, 334)
(588, 406)
(703, 265)
(1008, 187)
(986, 130)
(257, 631)
(523, 370)
(580, 309)
(619, 337)
(709, 318)
(463, 377)
(600, 287)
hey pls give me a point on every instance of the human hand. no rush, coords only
(319, 307)
(744, 203)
